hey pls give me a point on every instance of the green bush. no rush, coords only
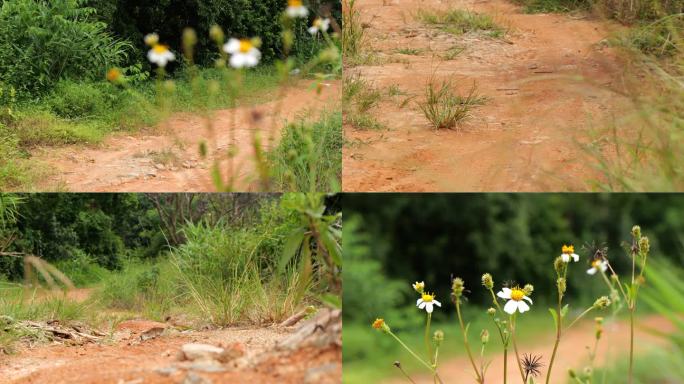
(309, 156)
(42, 42)
(76, 100)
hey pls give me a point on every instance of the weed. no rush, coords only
(309, 155)
(358, 98)
(458, 22)
(444, 108)
(409, 51)
(353, 33)
(452, 52)
(394, 90)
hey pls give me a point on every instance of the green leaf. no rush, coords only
(333, 301)
(564, 311)
(333, 247)
(555, 317)
(292, 245)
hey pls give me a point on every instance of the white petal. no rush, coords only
(232, 46)
(510, 307)
(313, 30)
(423, 304)
(505, 293)
(565, 257)
(575, 257)
(523, 307)
(419, 301)
(591, 271)
(528, 299)
(325, 25)
(238, 60)
(429, 307)
(437, 303)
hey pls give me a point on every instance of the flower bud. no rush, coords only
(602, 302)
(644, 245)
(560, 266)
(457, 287)
(636, 231)
(189, 37)
(488, 281)
(216, 34)
(528, 289)
(438, 337)
(380, 324)
(419, 287)
(484, 336)
(562, 285)
(491, 311)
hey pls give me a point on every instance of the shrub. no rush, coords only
(42, 42)
(75, 100)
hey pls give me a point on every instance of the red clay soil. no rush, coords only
(130, 361)
(129, 162)
(572, 352)
(549, 84)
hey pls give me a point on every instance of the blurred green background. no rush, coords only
(393, 240)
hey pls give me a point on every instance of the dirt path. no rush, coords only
(572, 352)
(126, 359)
(168, 159)
(547, 83)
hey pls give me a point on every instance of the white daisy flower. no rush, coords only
(569, 253)
(515, 297)
(427, 301)
(296, 9)
(243, 53)
(597, 265)
(319, 25)
(160, 55)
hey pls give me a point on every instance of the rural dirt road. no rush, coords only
(572, 352)
(549, 84)
(168, 158)
(259, 355)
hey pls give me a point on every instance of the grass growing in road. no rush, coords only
(459, 22)
(444, 108)
(358, 99)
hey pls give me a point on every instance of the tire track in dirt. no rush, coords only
(572, 352)
(126, 162)
(547, 83)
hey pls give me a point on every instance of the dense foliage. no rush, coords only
(42, 42)
(515, 237)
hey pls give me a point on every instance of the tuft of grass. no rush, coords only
(459, 22)
(358, 99)
(353, 33)
(453, 52)
(445, 109)
(309, 155)
(409, 51)
(394, 90)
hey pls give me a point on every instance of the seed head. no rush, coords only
(636, 232)
(380, 325)
(438, 337)
(562, 285)
(457, 287)
(484, 337)
(491, 311)
(644, 245)
(602, 302)
(560, 266)
(488, 281)
(528, 289)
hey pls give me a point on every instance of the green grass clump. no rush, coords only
(444, 109)
(353, 33)
(409, 51)
(358, 99)
(458, 22)
(309, 155)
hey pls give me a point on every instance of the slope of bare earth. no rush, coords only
(168, 158)
(549, 82)
(572, 352)
(142, 351)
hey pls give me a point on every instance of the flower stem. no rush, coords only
(579, 317)
(515, 348)
(479, 377)
(558, 336)
(410, 351)
(505, 364)
(428, 346)
(631, 344)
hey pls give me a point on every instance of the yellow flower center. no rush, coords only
(517, 294)
(246, 46)
(318, 23)
(568, 249)
(596, 263)
(294, 3)
(160, 48)
(377, 324)
(428, 297)
(113, 74)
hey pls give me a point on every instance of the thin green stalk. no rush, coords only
(428, 345)
(410, 351)
(579, 317)
(480, 379)
(515, 347)
(558, 337)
